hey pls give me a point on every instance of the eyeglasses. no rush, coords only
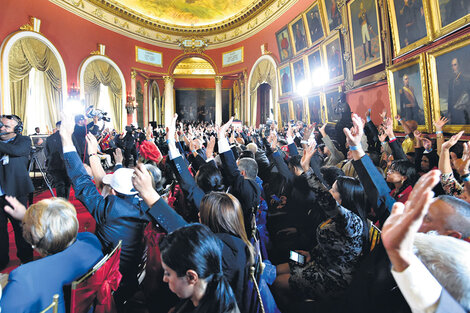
(391, 171)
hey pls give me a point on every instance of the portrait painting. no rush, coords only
(298, 68)
(334, 57)
(314, 109)
(449, 15)
(299, 110)
(284, 110)
(450, 83)
(284, 44)
(314, 24)
(299, 34)
(332, 13)
(410, 24)
(364, 28)
(408, 92)
(285, 79)
(331, 106)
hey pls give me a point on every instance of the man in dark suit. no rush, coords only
(14, 181)
(55, 164)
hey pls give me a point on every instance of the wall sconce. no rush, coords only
(131, 105)
(74, 92)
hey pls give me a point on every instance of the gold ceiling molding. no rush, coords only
(110, 16)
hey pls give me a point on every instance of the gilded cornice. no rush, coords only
(110, 16)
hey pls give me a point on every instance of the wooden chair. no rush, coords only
(54, 306)
(95, 288)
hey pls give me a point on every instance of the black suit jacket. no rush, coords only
(54, 153)
(14, 176)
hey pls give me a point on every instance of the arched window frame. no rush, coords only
(81, 74)
(6, 48)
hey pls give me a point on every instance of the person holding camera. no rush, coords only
(14, 181)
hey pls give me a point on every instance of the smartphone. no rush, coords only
(297, 257)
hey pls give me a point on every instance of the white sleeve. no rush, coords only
(69, 149)
(224, 146)
(420, 289)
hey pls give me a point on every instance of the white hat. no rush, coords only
(121, 181)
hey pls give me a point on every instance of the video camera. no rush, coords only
(92, 112)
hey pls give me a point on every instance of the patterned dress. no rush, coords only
(338, 251)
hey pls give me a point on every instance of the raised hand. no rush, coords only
(354, 135)
(210, 148)
(452, 140)
(118, 157)
(308, 153)
(440, 123)
(172, 127)
(223, 129)
(142, 182)
(92, 144)
(66, 128)
(401, 226)
(322, 130)
(272, 139)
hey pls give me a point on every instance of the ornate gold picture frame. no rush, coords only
(314, 66)
(449, 80)
(449, 15)
(364, 30)
(286, 85)
(330, 102)
(314, 108)
(408, 91)
(299, 73)
(284, 112)
(316, 29)
(411, 24)
(298, 33)
(333, 54)
(298, 109)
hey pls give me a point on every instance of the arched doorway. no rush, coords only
(156, 113)
(262, 91)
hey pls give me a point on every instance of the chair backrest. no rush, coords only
(54, 306)
(94, 289)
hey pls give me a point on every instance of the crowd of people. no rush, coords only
(250, 219)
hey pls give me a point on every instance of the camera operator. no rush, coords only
(79, 137)
(14, 181)
(128, 144)
(55, 164)
(93, 126)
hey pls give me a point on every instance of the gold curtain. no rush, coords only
(25, 54)
(263, 73)
(100, 72)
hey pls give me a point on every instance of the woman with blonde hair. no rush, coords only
(51, 227)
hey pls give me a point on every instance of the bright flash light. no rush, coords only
(74, 107)
(320, 76)
(303, 87)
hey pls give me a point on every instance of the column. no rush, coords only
(146, 104)
(133, 117)
(218, 100)
(169, 101)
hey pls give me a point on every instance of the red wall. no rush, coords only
(75, 38)
(373, 97)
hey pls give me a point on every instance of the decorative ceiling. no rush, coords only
(191, 12)
(167, 23)
(194, 66)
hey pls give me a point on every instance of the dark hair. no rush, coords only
(246, 154)
(209, 178)
(331, 173)
(295, 161)
(195, 247)
(405, 168)
(433, 160)
(353, 198)
(375, 157)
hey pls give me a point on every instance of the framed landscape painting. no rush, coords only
(364, 26)
(449, 77)
(407, 86)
